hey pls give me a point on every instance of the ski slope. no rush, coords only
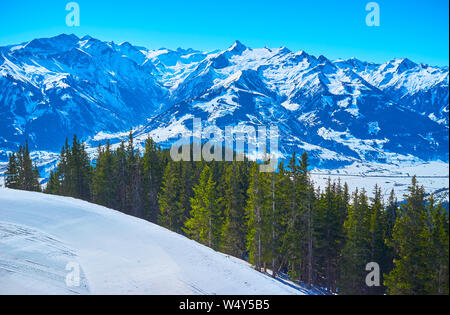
(47, 242)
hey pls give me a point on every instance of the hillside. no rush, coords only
(117, 254)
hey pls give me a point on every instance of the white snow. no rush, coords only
(41, 235)
(290, 106)
(395, 174)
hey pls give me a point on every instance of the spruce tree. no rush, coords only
(235, 227)
(53, 184)
(259, 216)
(357, 250)
(103, 184)
(411, 240)
(20, 172)
(204, 224)
(438, 251)
(329, 234)
(12, 173)
(152, 177)
(120, 178)
(172, 212)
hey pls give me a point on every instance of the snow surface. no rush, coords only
(41, 235)
(395, 175)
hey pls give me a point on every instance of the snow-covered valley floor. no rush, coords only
(45, 240)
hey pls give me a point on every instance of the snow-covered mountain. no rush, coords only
(341, 111)
(52, 88)
(60, 245)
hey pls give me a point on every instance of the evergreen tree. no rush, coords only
(20, 172)
(204, 224)
(438, 250)
(152, 177)
(259, 216)
(294, 235)
(329, 234)
(53, 184)
(411, 240)
(357, 251)
(235, 227)
(281, 242)
(63, 172)
(378, 230)
(103, 184)
(12, 173)
(172, 214)
(120, 178)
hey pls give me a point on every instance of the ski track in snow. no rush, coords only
(117, 254)
(31, 258)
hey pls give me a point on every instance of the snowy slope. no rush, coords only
(117, 254)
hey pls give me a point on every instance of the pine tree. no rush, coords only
(235, 227)
(357, 250)
(120, 178)
(134, 192)
(329, 234)
(378, 229)
(21, 173)
(152, 177)
(12, 173)
(281, 244)
(53, 185)
(172, 212)
(35, 184)
(136, 188)
(103, 184)
(294, 235)
(411, 241)
(63, 169)
(188, 179)
(259, 216)
(439, 249)
(204, 224)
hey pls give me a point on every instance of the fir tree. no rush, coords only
(204, 224)
(259, 216)
(121, 178)
(329, 234)
(152, 177)
(172, 214)
(438, 250)
(357, 251)
(235, 227)
(411, 239)
(21, 173)
(103, 184)
(12, 173)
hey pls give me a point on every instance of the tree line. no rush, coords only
(280, 222)
(21, 173)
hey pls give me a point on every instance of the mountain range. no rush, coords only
(339, 111)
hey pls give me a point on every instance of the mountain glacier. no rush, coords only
(340, 111)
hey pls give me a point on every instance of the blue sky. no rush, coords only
(415, 29)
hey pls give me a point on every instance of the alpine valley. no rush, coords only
(364, 122)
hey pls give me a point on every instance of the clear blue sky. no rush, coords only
(415, 29)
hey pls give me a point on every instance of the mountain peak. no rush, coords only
(400, 64)
(63, 36)
(237, 47)
(406, 64)
(284, 50)
(86, 37)
(60, 42)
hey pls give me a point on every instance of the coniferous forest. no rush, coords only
(280, 222)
